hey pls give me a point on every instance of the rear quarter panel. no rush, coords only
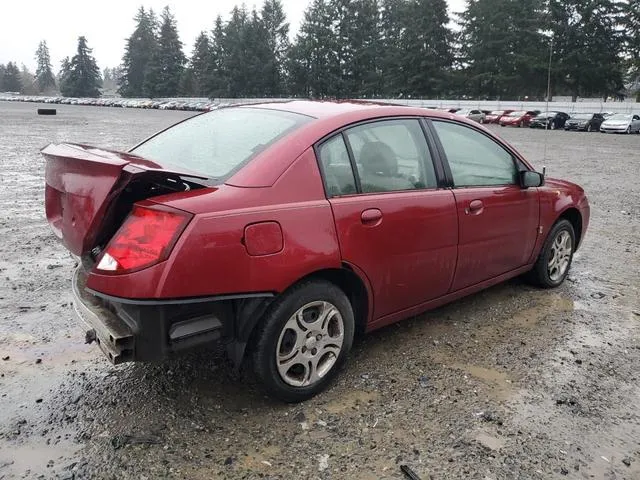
(210, 258)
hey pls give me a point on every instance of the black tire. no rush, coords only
(46, 111)
(267, 336)
(589, 128)
(540, 274)
(628, 130)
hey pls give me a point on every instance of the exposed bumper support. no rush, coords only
(129, 330)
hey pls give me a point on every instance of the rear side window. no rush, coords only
(336, 167)
(218, 143)
(391, 155)
(475, 160)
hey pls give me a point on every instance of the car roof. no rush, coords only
(323, 109)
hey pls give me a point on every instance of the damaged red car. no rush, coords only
(284, 229)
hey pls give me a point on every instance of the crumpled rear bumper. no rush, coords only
(138, 330)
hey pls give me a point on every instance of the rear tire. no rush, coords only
(303, 340)
(589, 129)
(554, 261)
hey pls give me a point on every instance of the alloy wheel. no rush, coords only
(310, 344)
(560, 257)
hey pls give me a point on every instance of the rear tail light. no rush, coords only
(145, 238)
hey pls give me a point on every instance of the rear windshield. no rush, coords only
(218, 143)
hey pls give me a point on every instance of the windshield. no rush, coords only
(497, 112)
(517, 114)
(218, 143)
(582, 116)
(619, 116)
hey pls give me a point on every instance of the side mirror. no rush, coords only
(529, 179)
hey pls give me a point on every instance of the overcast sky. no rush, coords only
(107, 24)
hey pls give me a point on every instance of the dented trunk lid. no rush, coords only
(83, 182)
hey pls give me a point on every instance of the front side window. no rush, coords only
(475, 159)
(391, 155)
(218, 143)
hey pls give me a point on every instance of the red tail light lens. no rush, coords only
(145, 238)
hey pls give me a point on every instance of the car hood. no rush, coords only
(616, 123)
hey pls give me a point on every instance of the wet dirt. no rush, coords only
(511, 383)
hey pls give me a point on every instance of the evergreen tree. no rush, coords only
(2, 70)
(260, 59)
(199, 65)
(426, 43)
(44, 75)
(277, 40)
(588, 41)
(81, 76)
(392, 27)
(28, 81)
(138, 52)
(163, 73)
(187, 86)
(12, 81)
(235, 52)
(216, 81)
(503, 48)
(314, 62)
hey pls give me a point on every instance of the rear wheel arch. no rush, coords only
(353, 287)
(344, 278)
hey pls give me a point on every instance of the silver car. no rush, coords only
(475, 115)
(621, 123)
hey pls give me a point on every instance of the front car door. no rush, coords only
(393, 222)
(498, 220)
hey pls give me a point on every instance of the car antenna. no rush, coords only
(546, 124)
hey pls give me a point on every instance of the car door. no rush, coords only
(635, 124)
(498, 220)
(392, 221)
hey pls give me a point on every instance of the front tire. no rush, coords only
(303, 340)
(554, 261)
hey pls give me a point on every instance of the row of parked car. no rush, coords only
(119, 102)
(606, 122)
(590, 122)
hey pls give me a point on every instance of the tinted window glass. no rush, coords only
(219, 142)
(391, 155)
(475, 159)
(336, 167)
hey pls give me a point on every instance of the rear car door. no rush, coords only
(498, 220)
(392, 220)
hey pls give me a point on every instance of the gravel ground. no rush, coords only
(511, 383)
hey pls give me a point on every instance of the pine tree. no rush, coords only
(235, 52)
(217, 82)
(163, 73)
(81, 76)
(588, 43)
(2, 70)
(314, 62)
(44, 75)
(139, 49)
(428, 58)
(260, 59)
(28, 81)
(277, 40)
(199, 65)
(392, 28)
(503, 48)
(12, 79)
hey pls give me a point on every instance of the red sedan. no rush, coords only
(517, 119)
(496, 115)
(284, 229)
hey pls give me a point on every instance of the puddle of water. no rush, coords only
(36, 458)
(545, 305)
(498, 382)
(351, 400)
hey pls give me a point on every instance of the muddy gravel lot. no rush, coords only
(511, 383)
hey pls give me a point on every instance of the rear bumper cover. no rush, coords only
(138, 330)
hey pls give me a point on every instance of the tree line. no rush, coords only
(494, 49)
